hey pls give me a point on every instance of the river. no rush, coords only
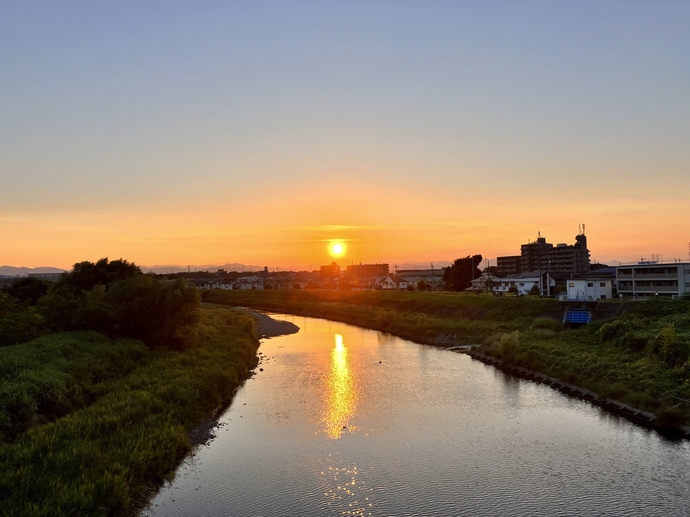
(348, 421)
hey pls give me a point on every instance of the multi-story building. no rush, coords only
(510, 265)
(332, 271)
(653, 279)
(540, 255)
(544, 256)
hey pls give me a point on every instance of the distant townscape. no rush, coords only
(542, 268)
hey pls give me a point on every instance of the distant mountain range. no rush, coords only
(23, 271)
(163, 269)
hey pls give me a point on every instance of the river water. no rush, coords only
(348, 421)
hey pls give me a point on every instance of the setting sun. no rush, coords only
(336, 249)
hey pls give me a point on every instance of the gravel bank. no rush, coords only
(267, 327)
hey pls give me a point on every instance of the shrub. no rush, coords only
(613, 330)
(668, 347)
(546, 324)
(160, 313)
(508, 345)
(19, 326)
(632, 341)
(542, 334)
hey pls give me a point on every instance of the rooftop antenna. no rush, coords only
(583, 228)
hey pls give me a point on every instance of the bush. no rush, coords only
(546, 324)
(160, 313)
(669, 347)
(19, 326)
(613, 330)
(508, 345)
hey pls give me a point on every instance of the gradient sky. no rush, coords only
(256, 132)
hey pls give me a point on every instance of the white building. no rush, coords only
(523, 283)
(588, 289)
(485, 283)
(249, 282)
(652, 278)
(391, 282)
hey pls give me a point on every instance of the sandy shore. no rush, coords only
(267, 327)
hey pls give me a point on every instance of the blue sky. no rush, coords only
(141, 130)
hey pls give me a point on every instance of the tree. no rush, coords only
(116, 298)
(160, 313)
(459, 276)
(85, 275)
(28, 289)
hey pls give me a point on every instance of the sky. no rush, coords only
(260, 132)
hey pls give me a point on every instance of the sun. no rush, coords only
(336, 249)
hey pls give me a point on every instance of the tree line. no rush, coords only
(112, 297)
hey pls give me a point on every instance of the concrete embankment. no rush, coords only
(638, 416)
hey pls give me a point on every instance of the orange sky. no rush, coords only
(292, 228)
(170, 134)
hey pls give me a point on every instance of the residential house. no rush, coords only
(392, 282)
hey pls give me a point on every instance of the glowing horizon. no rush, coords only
(245, 134)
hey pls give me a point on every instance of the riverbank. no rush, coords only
(107, 428)
(639, 358)
(267, 327)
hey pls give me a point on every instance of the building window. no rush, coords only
(602, 284)
(571, 284)
(590, 284)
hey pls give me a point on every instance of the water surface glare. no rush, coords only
(348, 421)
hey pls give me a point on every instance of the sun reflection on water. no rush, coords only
(340, 393)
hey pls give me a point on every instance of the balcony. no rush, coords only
(649, 289)
(653, 276)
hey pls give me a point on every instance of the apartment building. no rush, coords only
(653, 279)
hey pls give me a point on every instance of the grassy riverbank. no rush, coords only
(640, 358)
(89, 423)
(472, 318)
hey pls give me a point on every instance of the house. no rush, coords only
(588, 288)
(485, 283)
(250, 282)
(433, 278)
(391, 282)
(524, 282)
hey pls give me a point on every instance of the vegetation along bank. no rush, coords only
(639, 357)
(102, 379)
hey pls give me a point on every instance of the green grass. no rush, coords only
(425, 315)
(627, 358)
(53, 376)
(100, 459)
